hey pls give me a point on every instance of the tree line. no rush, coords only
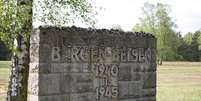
(171, 46)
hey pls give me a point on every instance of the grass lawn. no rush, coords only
(176, 81)
(179, 82)
(4, 75)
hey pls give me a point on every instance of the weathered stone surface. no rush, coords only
(123, 90)
(33, 87)
(148, 99)
(125, 73)
(149, 80)
(34, 52)
(65, 97)
(77, 64)
(130, 90)
(82, 97)
(149, 92)
(49, 84)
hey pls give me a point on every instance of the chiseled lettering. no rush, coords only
(101, 69)
(75, 53)
(94, 54)
(148, 55)
(113, 81)
(97, 93)
(108, 54)
(84, 54)
(141, 54)
(56, 54)
(102, 91)
(115, 55)
(123, 55)
(108, 92)
(114, 92)
(102, 55)
(107, 80)
(114, 70)
(132, 54)
(80, 54)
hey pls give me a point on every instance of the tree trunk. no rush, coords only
(17, 88)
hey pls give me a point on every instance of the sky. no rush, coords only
(185, 13)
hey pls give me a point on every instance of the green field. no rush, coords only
(4, 75)
(179, 81)
(176, 81)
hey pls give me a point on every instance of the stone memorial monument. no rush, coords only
(77, 64)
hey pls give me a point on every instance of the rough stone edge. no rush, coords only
(93, 30)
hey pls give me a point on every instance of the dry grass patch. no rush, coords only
(179, 81)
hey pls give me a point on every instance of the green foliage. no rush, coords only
(189, 49)
(199, 42)
(189, 52)
(16, 17)
(147, 20)
(155, 19)
(188, 38)
(62, 12)
(197, 38)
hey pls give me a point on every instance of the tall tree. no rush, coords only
(155, 19)
(167, 37)
(197, 44)
(147, 22)
(188, 38)
(16, 25)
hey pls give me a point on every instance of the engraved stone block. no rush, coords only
(77, 64)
